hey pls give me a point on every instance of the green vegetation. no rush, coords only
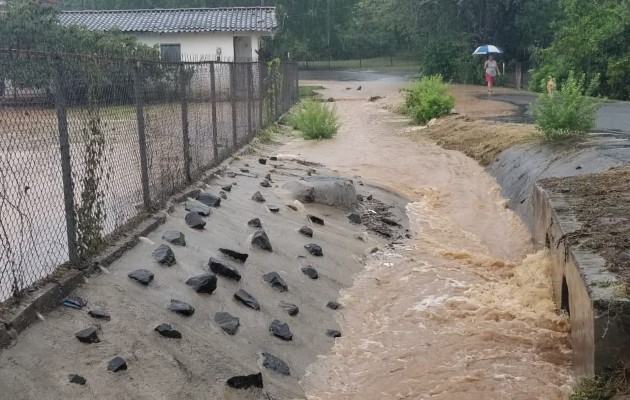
(309, 92)
(315, 120)
(568, 112)
(604, 386)
(429, 98)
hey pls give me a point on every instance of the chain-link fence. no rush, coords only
(89, 145)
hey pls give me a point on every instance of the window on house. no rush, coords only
(171, 52)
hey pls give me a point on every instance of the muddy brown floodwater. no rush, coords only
(462, 311)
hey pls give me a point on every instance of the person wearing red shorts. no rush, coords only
(492, 71)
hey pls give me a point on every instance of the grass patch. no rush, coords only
(309, 92)
(604, 386)
(316, 120)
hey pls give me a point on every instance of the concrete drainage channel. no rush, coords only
(237, 289)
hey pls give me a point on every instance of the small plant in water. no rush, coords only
(428, 98)
(316, 120)
(604, 386)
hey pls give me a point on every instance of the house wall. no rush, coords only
(204, 45)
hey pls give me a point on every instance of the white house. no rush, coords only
(196, 34)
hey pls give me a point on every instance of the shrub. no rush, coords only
(429, 98)
(569, 111)
(315, 120)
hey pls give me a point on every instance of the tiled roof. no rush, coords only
(232, 19)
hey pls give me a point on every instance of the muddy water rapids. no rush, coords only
(462, 311)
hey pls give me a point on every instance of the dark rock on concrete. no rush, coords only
(167, 330)
(263, 161)
(273, 158)
(247, 299)
(261, 240)
(76, 379)
(281, 330)
(265, 184)
(333, 333)
(244, 170)
(369, 198)
(360, 183)
(194, 220)
(209, 199)
(245, 382)
(227, 322)
(268, 177)
(291, 309)
(359, 88)
(226, 271)
(100, 314)
(276, 281)
(142, 276)
(181, 308)
(355, 218)
(275, 364)
(164, 255)
(274, 209)
(314, 249)
(315, 220)
(175, 237)
(310, 272)
(223, 195)
(206, 283)
(333, 305)
(201, 209)
(255, 223)
(242, 257)
(359, 197)
(258, 197)
(74, 301)
(306, 231)
(87, 336)
(117, 364)
(227, 188)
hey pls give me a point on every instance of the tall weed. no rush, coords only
(429, 98)
(315, 120)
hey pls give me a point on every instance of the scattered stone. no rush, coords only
(258, 197)
(314, 249)
(359, 88)
(201, 209)
(227, 322)
(291, 309)
(87, 336)
(265, 184)
(374, 98)
(209, 199)
(246, 165)
(167, 330)
(306, 231)
(273, 158)
(374, 250)
(578, 167)
(360, 183)
(194, 220)
(247, 299)
(275, 364)
(227, 188)
(261, 240)
(276, 281)
(359, 197)
(281, 330)
(315, 220)
(175, 237)
(408, 235)
(117, 364)
(333, 333)
(245, 170)
(164, 255)
(245, 382)
(310, 272)
(330, 100)
(223, 195)
(231, 175)
(99, 314)
(206, 283)
(255, 223)
(219, 268)
(370, 197)
(333, 305)
(355, 218)
(76, 379)
(268, 177)
(273, 209)
(309, 173)
(142, 276)
(181, 307)
(263, 161)
(242, 257)
(74, 301)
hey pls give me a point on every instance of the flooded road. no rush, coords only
(462, 311)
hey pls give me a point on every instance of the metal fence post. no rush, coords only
(213, 95)
(66, 164)
(233, 90)
(276, 91)
(138, 89)
(185, 127)
(250, 97)
(261, 93)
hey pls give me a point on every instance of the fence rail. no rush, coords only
(89, 144)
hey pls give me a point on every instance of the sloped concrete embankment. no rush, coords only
(599, 314)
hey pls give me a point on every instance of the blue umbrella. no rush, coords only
(487, 49)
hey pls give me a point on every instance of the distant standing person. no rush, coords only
(492, 71)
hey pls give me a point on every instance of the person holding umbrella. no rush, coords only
(490, 66)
